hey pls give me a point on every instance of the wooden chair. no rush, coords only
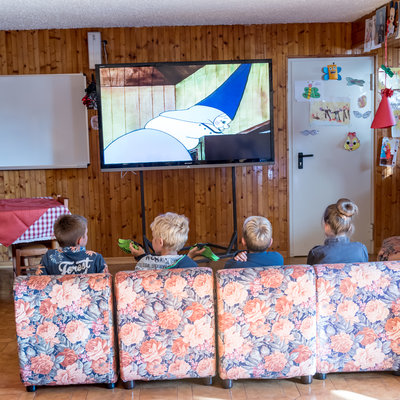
(28, 258)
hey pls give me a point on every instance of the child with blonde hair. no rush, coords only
(169, 234)
(257, 238)
(338, 227)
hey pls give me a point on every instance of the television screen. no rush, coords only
(172, 115)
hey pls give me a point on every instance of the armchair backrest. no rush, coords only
(65, 329)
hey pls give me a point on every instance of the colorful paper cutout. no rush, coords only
(307, 91)
(333, 112)
(388, 152)
(311, 92)
(387, 70)
(352, 142)
(365, 115)
(312, 132)
(362, 101)
(332, 72)
(352, 81)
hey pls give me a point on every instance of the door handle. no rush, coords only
(300, 157)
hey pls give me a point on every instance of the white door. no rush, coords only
(331, 172)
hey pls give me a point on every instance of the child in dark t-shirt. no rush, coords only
(72, 257)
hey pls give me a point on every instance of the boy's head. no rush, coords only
(257, 233)
(172, 229)
(71, 230)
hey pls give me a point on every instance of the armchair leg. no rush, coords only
(30, 388)
(208, 380)
(227, 383)
(306, 380)
(129, 384)
(110, 385)
(320, 376)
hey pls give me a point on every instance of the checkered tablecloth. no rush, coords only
(42, 229)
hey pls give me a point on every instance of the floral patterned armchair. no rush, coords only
(390, 250)
(65, 330)
(266, 323)
(166, 324)
(358, 317)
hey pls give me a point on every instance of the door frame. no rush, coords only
(292, 164)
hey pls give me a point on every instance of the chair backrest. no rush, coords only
(25, 256)
(358, 317)
(166, 324)
(65, 329)
(266, 322)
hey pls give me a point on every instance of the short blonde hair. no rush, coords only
(172, 228)
(339, 217)
(257, 233)
(68, 229)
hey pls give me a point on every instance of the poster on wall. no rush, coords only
(388, 152)
(374, 34)
(335, 111)
(306, 91)
(380, 25)
(368, 35)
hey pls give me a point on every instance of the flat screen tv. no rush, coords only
(191, 114)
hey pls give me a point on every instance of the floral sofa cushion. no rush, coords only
(65, 329)
(390, 250)
(266, 322)
(166, 324)
(358, 317)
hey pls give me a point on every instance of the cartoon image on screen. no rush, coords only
(176, 114)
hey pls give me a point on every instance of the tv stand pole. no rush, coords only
(233, 243)
(146, 242)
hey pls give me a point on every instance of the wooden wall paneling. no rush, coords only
(3, 53)
(206, 195)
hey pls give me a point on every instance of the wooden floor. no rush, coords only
(360, 386)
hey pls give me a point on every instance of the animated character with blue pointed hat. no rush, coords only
(171, 135)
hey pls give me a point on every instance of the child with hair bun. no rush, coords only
(338, 226)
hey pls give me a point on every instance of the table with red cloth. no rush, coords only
(29, 219)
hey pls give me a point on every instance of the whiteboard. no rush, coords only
(43, 123)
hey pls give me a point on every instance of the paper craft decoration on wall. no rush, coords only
(307, 132)
(352, 81)
(365, 115)
(384, 117)
(362, 101)
(332, 72)
(388, 152)
(352, 142)
(333, 112)
(305, 91)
